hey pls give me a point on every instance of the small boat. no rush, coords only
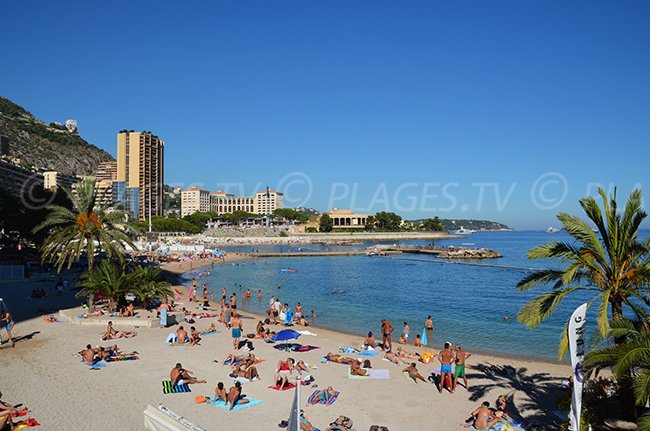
(463, 231)
(552, 230)
(288, 270)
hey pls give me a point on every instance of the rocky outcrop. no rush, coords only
(468, 253)
(47, 146)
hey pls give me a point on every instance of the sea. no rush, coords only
(472, 305)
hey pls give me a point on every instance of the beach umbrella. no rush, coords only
(424, 337)
(285, 335)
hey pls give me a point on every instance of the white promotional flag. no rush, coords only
(577, 352)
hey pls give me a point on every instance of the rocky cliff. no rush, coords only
(48, 146)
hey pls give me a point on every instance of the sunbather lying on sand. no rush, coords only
(112, 334)
(414, 373)
(6, 410)
(356, 370)
(211, 328)
(395, 359)
(323, 395)
(247, 371)
(404, 354)
(333, 357)
(180, 376)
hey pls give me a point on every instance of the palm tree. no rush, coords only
(108, 278)
(82, 229)
(611, 263)
(634, 354)
(148, 284)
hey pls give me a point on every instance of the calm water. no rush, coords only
(467, 303)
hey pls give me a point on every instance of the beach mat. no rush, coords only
(287, 387)
(369, 353)
(251, 402)
(372, 374)
(210, 333)
(244, 380)
(169, 389)
(119, 358)
(322, 401)
(31, 422)
(95, 366)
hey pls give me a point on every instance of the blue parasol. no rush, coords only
(285, 335)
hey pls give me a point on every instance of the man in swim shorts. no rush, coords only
(387, 329)
(180, 376)
(446, 357)
(236, 328)
(459, 370)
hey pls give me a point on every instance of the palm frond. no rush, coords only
(541, 307)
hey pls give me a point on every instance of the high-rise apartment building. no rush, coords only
(194, 200)
(139, 185)
(106, 171)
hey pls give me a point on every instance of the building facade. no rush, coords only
(346, 219)
(106, 171)
(226, 203)
(53, 180)
(18, 181)
(194, 200)
(267, 201)
(139, 178)
(4, 145)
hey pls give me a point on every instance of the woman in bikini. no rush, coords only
(324, 395)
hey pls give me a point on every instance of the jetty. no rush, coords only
(386, 250)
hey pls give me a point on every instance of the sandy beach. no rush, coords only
(43, 373)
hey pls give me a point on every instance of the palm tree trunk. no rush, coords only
(91, 297)
(625, 383)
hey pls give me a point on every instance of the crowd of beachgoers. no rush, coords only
(193, 315)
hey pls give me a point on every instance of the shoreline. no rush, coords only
(43, 362)
(361, 335)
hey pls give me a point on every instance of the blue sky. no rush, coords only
(509, 111)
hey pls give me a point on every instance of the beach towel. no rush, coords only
(251, 402)
(118, 358)
(95, 365)
(287, 387)
(306, 348)
(169, 389)
(424, 340)
(312, 397)
(369, 352)
(306, 333)
(243, 380)
(31, 422)
(372, 374)
(210, 333)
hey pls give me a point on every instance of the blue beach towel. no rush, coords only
(369, 353)
(251, 402)
(424, 337)
(95, 365)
